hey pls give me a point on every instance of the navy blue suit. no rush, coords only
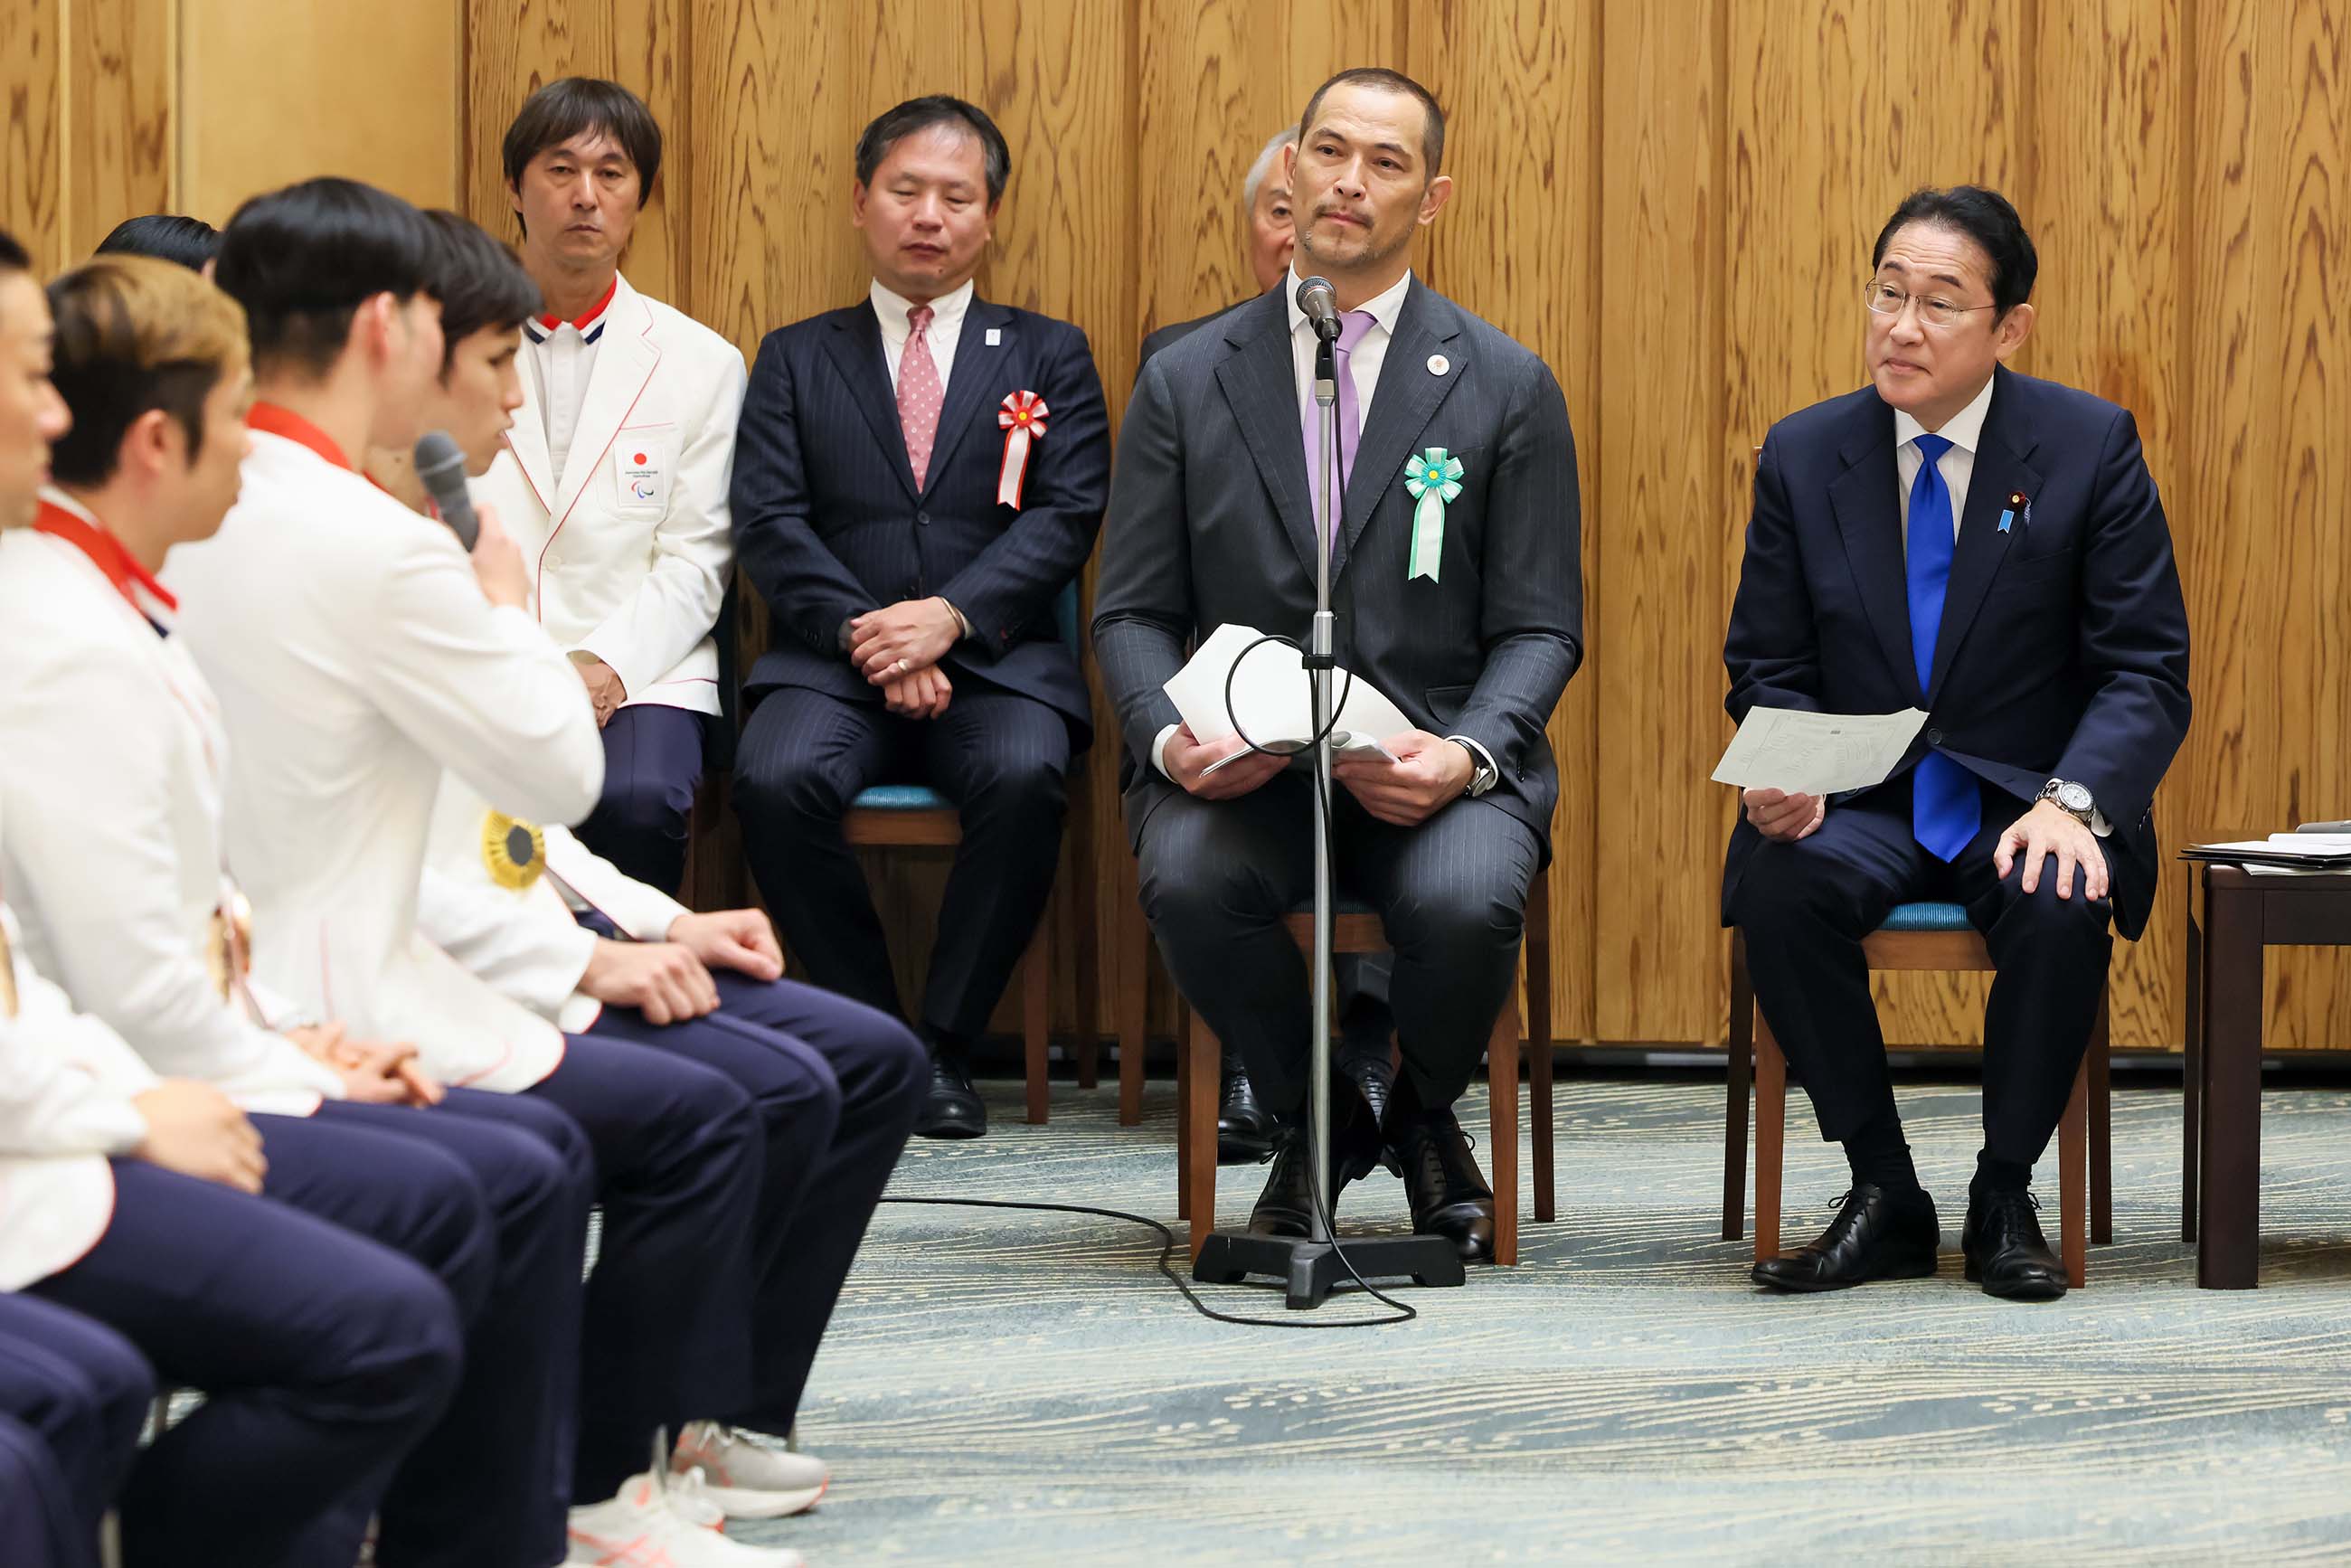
(2062, 654)
(828, 524)
(73, 1396)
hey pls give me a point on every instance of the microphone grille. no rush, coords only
(437, 455)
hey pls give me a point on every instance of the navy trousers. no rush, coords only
(324, 1356)
(652, 764)
(73, 1395)
(1000, 756)
(837, 1085)
(666, 1335)
(490, 1488)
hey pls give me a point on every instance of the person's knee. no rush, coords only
(1184, 894)
(647, 807)
(121, 1388)
(1783, 881)
(2076, 923)
(1460, 915)
(1031, 781)
(789, 790)
(407, 1347)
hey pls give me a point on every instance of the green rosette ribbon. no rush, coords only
(1432, 479)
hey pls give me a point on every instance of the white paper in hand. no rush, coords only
(1270, 699)
(1817, 753)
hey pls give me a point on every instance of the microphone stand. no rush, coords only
(1312, 1265)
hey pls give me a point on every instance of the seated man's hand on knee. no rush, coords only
(742, 940)
(2048, 829)
(1782, 816)
(1188, 761)
(1429, 772)
(662, 980)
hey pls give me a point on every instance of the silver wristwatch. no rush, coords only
(2072, 799)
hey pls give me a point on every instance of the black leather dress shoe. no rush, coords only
(1283, 1210)
(2005, 1251)
(1375, 1080)
(952, 1109)
(1244, 1126)
(1876, 1236)
(1448, 1192)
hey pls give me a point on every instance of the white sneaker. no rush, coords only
(747, 1474)
(638, 1527)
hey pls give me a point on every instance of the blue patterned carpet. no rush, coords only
(1004, 1389)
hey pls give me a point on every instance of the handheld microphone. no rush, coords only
(1320, 303)
(442, 468)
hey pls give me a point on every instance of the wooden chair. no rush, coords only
(915, 816)
(1923, 935)
(1199, 1079)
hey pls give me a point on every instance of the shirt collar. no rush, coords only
(589, 323)
(68, 520)
(1386, 307)
(947, 311)
(275, 418)
(1964, 429)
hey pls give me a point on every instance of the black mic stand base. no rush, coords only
(1309, 1268)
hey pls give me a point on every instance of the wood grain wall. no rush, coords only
(1674, 205)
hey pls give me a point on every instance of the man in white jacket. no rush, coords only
(357, 654)
(113, 839)
(614, 482)
(134, 1201)
(566, 933)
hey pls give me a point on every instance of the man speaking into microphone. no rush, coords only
(1454, 574)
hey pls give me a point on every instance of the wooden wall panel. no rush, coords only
(1672, 207)
(33, 203)
(1519, 245)
(280, 90)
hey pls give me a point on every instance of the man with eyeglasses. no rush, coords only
(1989, 548)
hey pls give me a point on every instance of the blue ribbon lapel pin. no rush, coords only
(2020, 504)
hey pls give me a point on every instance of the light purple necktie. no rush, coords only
(1352, 328)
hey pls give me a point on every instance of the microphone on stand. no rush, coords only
(440, 466)
(1320, 303)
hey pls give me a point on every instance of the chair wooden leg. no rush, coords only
(1036, 978)
(1741, 1050)
(1183, 1126)
(1206, 1078)
(2100, 1062)
(1502, 1084)
(1083, 953)
(1539, 1046)
(2192, 1100)
(2073, 1178)
(1134, 1010)
(1770, 1137)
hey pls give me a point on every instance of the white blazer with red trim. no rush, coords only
(632, 539)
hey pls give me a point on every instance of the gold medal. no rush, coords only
(514, 852)
(228, 944)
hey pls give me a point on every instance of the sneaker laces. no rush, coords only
(687, 1495)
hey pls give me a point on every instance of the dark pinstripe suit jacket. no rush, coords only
(830, 524)
(1209, 524)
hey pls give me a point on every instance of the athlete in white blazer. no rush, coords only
(615, 476)
(359, 654)
(132, 1201)
(555, 926)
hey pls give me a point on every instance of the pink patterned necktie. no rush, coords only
(1347, 416)
(920, 393)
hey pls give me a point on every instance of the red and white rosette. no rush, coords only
(1021, 417)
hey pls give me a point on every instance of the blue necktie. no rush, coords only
(1945, 810)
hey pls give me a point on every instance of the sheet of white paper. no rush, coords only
(1817, 753)
(1270, 699)
(2301, 846)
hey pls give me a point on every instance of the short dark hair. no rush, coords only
(166, 236)
(304, 259)
(574, 106)
(12, 255)
(1986, 217)
(892, 126)
(1432, 138)
(136, 333)
(480, 285)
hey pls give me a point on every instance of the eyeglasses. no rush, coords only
(1884, 299)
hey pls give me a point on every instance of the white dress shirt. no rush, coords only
(1363, 363)
(947, 312)
(564, 357)
(1964, 431)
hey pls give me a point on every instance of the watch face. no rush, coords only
(2073, 798)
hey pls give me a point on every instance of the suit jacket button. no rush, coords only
(924, 519)
(1934, 737)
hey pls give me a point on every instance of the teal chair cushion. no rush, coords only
(1928, 915)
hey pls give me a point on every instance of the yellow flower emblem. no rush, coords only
(514, 852)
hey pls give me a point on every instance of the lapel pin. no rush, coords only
(2017, 502)
(995, 336)
(1439, 364)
